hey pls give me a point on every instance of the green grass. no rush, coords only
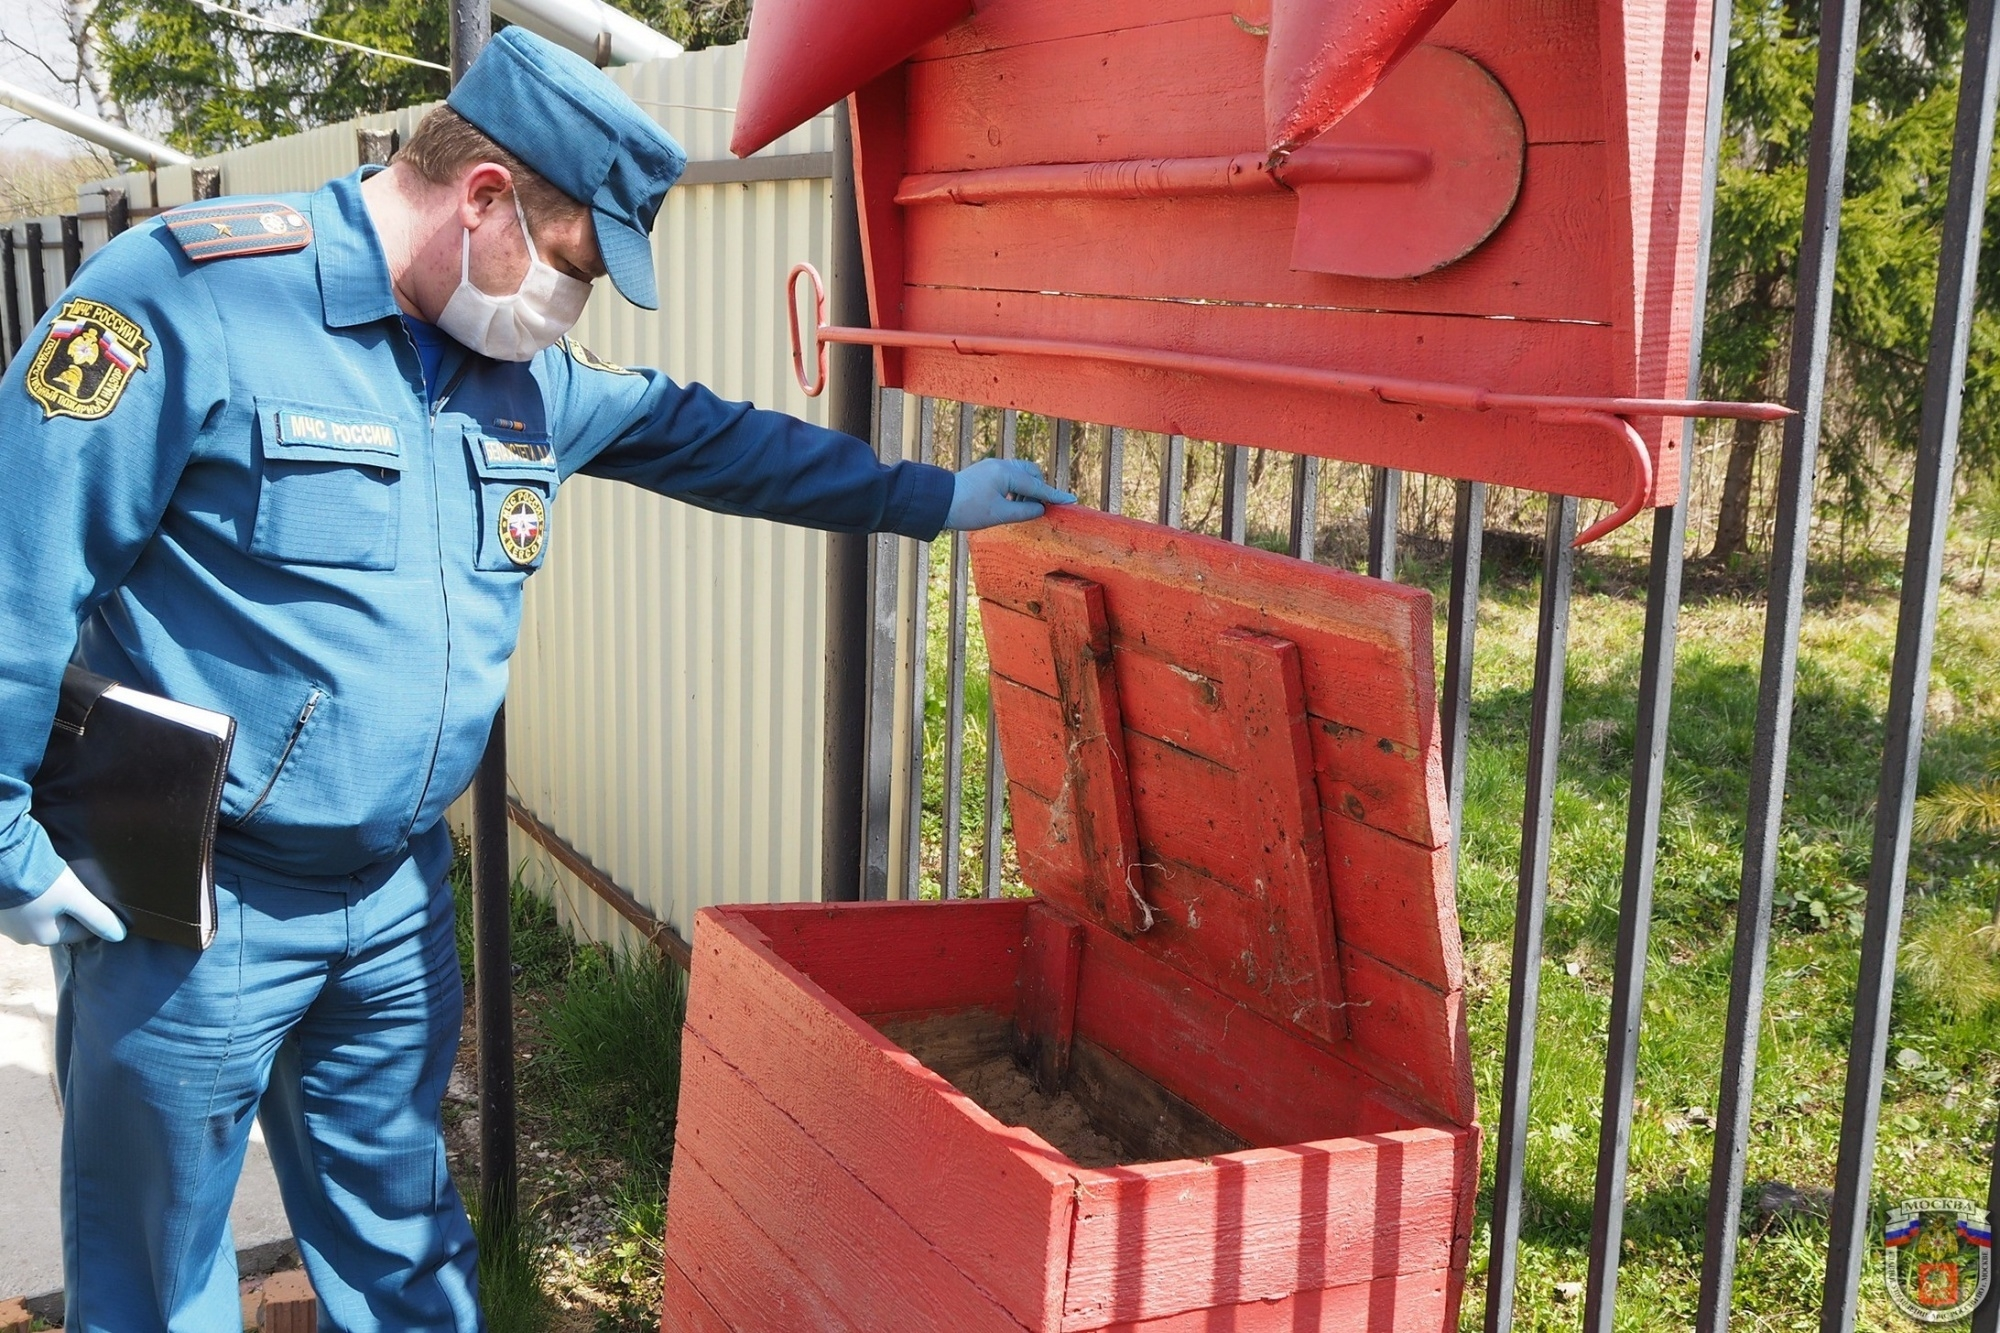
(599, 1077)
(1938, 1119)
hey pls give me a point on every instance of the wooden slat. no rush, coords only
(1158, 1240)
(1547, 260)
(1277, 806)
(1363, 776)
(1265, 1083)
(1192, 88)
(844, 1084)
(1096, 790)
(1367, 655)
(1412, 1303)
(1409, 1035)
(744, 1278)
(843, 1239)
(684, 1309)
(994, 26)
(900, 956)
(1045, 1017)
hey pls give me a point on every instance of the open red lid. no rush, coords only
(1230, 759)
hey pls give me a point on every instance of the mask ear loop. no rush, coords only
(534, 256)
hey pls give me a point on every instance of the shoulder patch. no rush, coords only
(91, 352)
(231, 227)
(583, 356)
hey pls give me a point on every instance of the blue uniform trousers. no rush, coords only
(329, 1009)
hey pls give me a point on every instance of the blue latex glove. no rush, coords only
(1000, 490)
(64, 914)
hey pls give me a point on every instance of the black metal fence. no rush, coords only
(894, 612)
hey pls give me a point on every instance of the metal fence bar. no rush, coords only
(954, 709)
(1065, 446)
(1385, 500)
(1173, 479)
(1305, 506)
(1909, 679)
(920, 606)
(1468, 532)
(1826, 174)
(996, 772)
(881, 761)
(1525, 987)
(72, 246)
(1235, 492)
(38, 279)
(13, 329)
(1650, 740)
(1112, 495)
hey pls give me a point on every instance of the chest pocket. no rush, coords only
(330, 491)
(517, 484)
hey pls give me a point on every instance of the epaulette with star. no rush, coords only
(228, 228)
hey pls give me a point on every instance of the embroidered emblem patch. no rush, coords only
(91, 353)
(1937, 1258)
(583, 356)
(524, 522)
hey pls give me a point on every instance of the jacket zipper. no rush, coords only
(298, 728)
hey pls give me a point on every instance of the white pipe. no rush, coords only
(576, 24)
(86, 126)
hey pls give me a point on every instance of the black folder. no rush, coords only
(129, 791)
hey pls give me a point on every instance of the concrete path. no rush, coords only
(30, 1137)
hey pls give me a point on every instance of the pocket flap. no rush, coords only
(504, 456)
(305, 433)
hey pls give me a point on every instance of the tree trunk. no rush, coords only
(81, 18)
(1732, 519)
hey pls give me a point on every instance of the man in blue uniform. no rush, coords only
(293, 459)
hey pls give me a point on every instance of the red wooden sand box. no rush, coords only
(1236, 999)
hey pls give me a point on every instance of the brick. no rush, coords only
(289, 1304)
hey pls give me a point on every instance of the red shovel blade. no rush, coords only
(1325, 56)
(805, 55)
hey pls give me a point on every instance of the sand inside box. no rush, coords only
(974, 1052)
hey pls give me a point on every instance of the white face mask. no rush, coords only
(513, 327)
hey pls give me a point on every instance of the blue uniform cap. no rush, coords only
(561, 115)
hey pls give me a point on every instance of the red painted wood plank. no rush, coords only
(843, 1082)
(876, 119)
(1264, 1082)
(1096, 790)
(1362, 776)
(900, 956)
(1277, 802)
(1409, 1035)
(1547, 260)
(1505, 448)
(1018, 22)
(684, 1309)
(1394, 900)
(1412, 1303)
(734, 1266)
(1045, 1017)
(1367, 653)
(1172, 1237)
(1188, 89)
(843, 1239)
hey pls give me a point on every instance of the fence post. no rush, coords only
(376, 147)
(850, 399)
(206, 182)
(38, 279)
(13, 329)
(117, 212)
(72, 248)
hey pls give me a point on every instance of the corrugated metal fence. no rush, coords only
(665, 715)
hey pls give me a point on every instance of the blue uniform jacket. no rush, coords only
(229, 485)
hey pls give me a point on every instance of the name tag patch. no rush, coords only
(517, 451)
(295, 427)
